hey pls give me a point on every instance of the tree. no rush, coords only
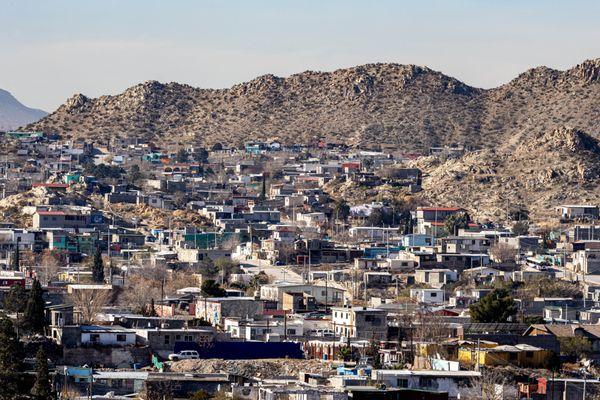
(201, 155)
(135, 174)
(11, 360)
(212, 289)
(226, 267)
(152, 309)
(200, 395)
(341, 210)
(575, 346)
(34, 319)
(139, 292)
(345, 353)
(16, 259)
(491, 385)
(497, 306)
(182, 156)
(376, 217)
(15, 301)
(518, 214)
(454, 222)
(503, 253)
(263, 191)
(520, 228)
(98, 267)
(42, 390)
(90, 302)
(50, 263)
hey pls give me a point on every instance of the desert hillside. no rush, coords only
(403, 106)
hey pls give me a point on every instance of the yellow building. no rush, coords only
(520, 355)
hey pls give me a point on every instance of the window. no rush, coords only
(167, 339)
(529, 354)
(121, 337)
(433, 294)
(177, 338)
(188, 338)
(94, 337)
(291, 331)
(426, 382)
(402, 383)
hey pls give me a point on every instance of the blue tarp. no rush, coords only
(243, 350)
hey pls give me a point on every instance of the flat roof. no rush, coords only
(465, 374)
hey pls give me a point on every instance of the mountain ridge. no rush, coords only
(404, 106)
(14, 114)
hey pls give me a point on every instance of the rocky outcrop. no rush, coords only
(558, 166)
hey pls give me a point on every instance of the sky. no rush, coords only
(50, 50)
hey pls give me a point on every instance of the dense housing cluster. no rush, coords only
(276, 271)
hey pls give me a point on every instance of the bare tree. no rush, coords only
(90, 302)
(139, 292)
(503, 253)
(49, 266)
(492, 385)
(433, 329)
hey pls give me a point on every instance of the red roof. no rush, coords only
(354, 165)
(51, 185)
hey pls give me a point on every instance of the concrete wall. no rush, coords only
(109, 357)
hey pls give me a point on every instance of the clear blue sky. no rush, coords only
(50, 49)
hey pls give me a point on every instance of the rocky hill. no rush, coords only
(13, 114)
(557, 167)
(404, 106)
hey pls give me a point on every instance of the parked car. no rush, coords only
(184, 355)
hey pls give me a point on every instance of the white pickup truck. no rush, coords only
(184, 355)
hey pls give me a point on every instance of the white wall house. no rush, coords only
(107, 335)
(429, 296)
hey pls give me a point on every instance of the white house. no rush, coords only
(429, 296)
(107, 335)
(440, 381)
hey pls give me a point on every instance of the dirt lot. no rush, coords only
(267, 369)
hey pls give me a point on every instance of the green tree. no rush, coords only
(98, 267)
(42, 390)
(135, 174)
(520, 228)
(345, 353)
(16, 259)
(263, 192)
(11, 360)
(201, 155)
(34, 319)
(182, 156)
(454, 222)
(575, 346)
(341, 210)
(15, 301)
(376, 218)
(497, 306)
(212, 289)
